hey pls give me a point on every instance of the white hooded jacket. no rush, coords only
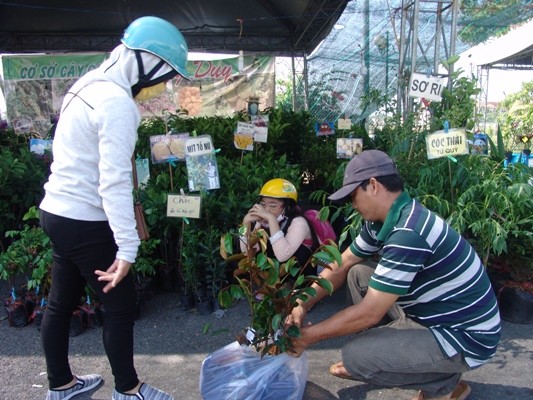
(94, 141)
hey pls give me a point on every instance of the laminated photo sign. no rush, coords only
(142, 166)
(324, 128)
(40, 146)
(443, 144)
(480, 144)
(244, 136)
(167, 148)
(348, 147)
(201, 164)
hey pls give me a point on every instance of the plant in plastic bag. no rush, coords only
(239, 372)
(271, 289)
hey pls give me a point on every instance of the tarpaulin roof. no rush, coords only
(512, 51)
(280, 27)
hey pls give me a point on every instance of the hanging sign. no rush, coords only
(443, 144)
(260, 123)
(201, 162)
(324, 128)
(348, 147)
(344, 124)
(243, 139)
(183, 206)
(427, 86)
(480, 144)
(168, 148)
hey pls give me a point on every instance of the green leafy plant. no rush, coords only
(516, 120)
(22, 176)
(496, 214)
(30, 254)
(147, 259)
(271, 289)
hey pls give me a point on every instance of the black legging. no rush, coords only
(80, 248)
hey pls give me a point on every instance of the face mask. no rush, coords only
(280, 218)
(151, 92)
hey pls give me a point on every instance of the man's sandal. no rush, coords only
(339, 371)
(461, 392)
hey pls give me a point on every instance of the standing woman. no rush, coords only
(290, 234)
(87, 210)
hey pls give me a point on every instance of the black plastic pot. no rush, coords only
(204, 306)
(516, 305)
(186, 301)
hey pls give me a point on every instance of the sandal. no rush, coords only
(339, 371)
(461, 392)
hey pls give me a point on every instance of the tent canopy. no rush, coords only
(278, 27)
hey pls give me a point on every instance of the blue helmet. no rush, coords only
(159, 37)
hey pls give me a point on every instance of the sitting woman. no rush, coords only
(290, 233)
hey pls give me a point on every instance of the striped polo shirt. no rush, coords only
(439, 278)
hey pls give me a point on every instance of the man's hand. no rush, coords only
(114, 274)
(296, 317)
(299, 344)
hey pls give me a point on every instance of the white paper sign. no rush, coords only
(344, 124)
(196, 146)
(183, 206)
(427, 86)
(260, 123)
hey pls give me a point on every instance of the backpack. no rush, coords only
(323, 229)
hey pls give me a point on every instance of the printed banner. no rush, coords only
(219, 87)
(34, 86)
(443, 144)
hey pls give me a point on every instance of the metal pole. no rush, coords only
(401, 61)
(414, 47)
(306, 85)
(293, 83)
(367, 46)
(387, 69)
(453, 34)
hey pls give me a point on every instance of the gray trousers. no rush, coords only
(402, 353)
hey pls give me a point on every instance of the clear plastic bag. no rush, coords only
(238, 372)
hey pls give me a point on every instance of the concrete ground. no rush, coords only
(171, 345)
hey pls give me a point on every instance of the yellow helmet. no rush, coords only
(279, 189)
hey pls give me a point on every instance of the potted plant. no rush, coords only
(144, 269)
(30, 256)
(496, 214)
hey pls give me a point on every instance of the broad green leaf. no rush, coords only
(276, 320)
